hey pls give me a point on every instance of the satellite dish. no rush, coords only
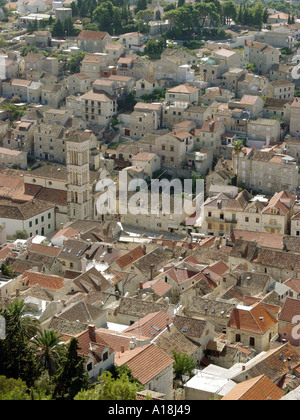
(296, 72)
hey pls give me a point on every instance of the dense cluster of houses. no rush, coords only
(222, 286)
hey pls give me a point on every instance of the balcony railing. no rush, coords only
(219, 220)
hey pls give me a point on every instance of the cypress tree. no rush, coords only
(71, 376)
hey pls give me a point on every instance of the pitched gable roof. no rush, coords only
(260, 388)
(46, 281)
(190, 327)
(130, 257)
(184, 88)
(275, 363)
(294, 284)
(83, 312)
(158, 286)
(150, 325)
(140, 308)
(145, 362)
(171, 339)
(251, 319)
(67, 233)
(92, 280)
(50, 251)
(73, 249)
(91, 343)
(291, 308)
(282, 201)
(94, 35)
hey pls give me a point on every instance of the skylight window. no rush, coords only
(155, 328)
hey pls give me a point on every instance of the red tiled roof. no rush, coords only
(6, 252)
(260, 388)
(50, 251)
(67, 233)
(184, 88)
(145, 362)
(291, 308)
(159, 287)
(264, 239)
(294, 284)
(216, 270)
(150, 325)
(46, 281)
(275, 363)
(94, 35)
(87, 339)
(130, 257)
(281, 201)
(249, 320)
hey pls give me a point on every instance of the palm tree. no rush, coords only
(16, 312)
(48, 350)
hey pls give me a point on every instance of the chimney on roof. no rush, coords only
(243, 368)
(122, 349)
(133, 343)
(92, 332)
(141, 285)
(151, 270)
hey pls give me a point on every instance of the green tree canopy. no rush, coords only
(48, 350)
(109, 388)
(17, 358)
(184, 364)
(71, 376)
(13, 389)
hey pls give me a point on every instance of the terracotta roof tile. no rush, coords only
(130, 257)
(159, 287)
(145, 362)
(50, 251)
(184, 88)
(150, 325)
(291, 308)
(249, 320)
(260, 388)
(173, 339)
(94, 35)
(46, 281)
(275, 363)
(294, 284)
